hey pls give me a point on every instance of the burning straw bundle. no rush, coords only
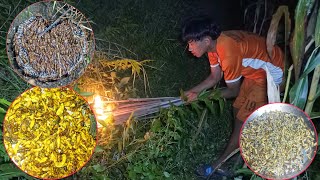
(139, 108)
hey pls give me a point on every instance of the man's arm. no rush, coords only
(232, 89)
(210, 81)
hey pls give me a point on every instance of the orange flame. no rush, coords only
(98, 107)
(103, 110)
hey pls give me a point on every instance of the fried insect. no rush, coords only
(277, 144)
(48, 132)
(49, 54)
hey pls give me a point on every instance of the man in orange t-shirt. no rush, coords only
(241, 58)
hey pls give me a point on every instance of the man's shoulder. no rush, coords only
(235, 35)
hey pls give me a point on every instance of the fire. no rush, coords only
(103, 111)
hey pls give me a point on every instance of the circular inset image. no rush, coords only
(49, 133)
(278, 141)
(49, 44)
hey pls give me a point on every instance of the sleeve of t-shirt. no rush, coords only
(231, 67)
(213, 59)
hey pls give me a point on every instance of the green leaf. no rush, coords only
(312, 63)
(93, 126)
(156, 125)
(137, 169)
(76, 88)
(221, 105)
(2, 110)
(317, 30)
(1, 118)
(3, 153)
(99, 149)
(182, 113)
(244, 171)
(132, 175)
(9, 171)
(209, 106)
(255, 177)
(203, 95)
(98, 168)
(216, 94)
(196, 107)
(298, 40)
(175, 135)
(166, 174)
(299, 92)
(4, 102)
(86, 94)
(183, 96)
(314, 115)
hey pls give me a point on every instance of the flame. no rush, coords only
(103, 110)
(98, 107)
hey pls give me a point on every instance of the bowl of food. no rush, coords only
(50, 44)
(278, 141)
(49, 133)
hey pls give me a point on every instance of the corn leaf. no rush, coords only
(317, 30)
(312, 63)
(273, 29)
(317, 93)
(313, 90)
(314, 115)
(298, 42)
(299, 92)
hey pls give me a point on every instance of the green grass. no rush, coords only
(11, 85)
(146, 30)
(150, 29)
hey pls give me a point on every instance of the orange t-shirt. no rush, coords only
(244, 54)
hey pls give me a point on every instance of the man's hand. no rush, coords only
(191, 95)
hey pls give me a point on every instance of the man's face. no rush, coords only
(197, 48)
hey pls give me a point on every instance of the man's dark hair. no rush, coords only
(196, 28)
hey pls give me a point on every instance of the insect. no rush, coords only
(63, 38)
(277, 143)
(42, 139)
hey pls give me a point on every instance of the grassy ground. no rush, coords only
(150, 30)
(147, 30)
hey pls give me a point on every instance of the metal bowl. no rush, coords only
(288, 108)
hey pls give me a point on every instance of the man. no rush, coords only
(241, 58)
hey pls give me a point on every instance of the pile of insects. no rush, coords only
(277, 144)
(50, 44)
(49, 133)
(47, 51)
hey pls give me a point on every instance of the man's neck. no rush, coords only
(212, 47)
